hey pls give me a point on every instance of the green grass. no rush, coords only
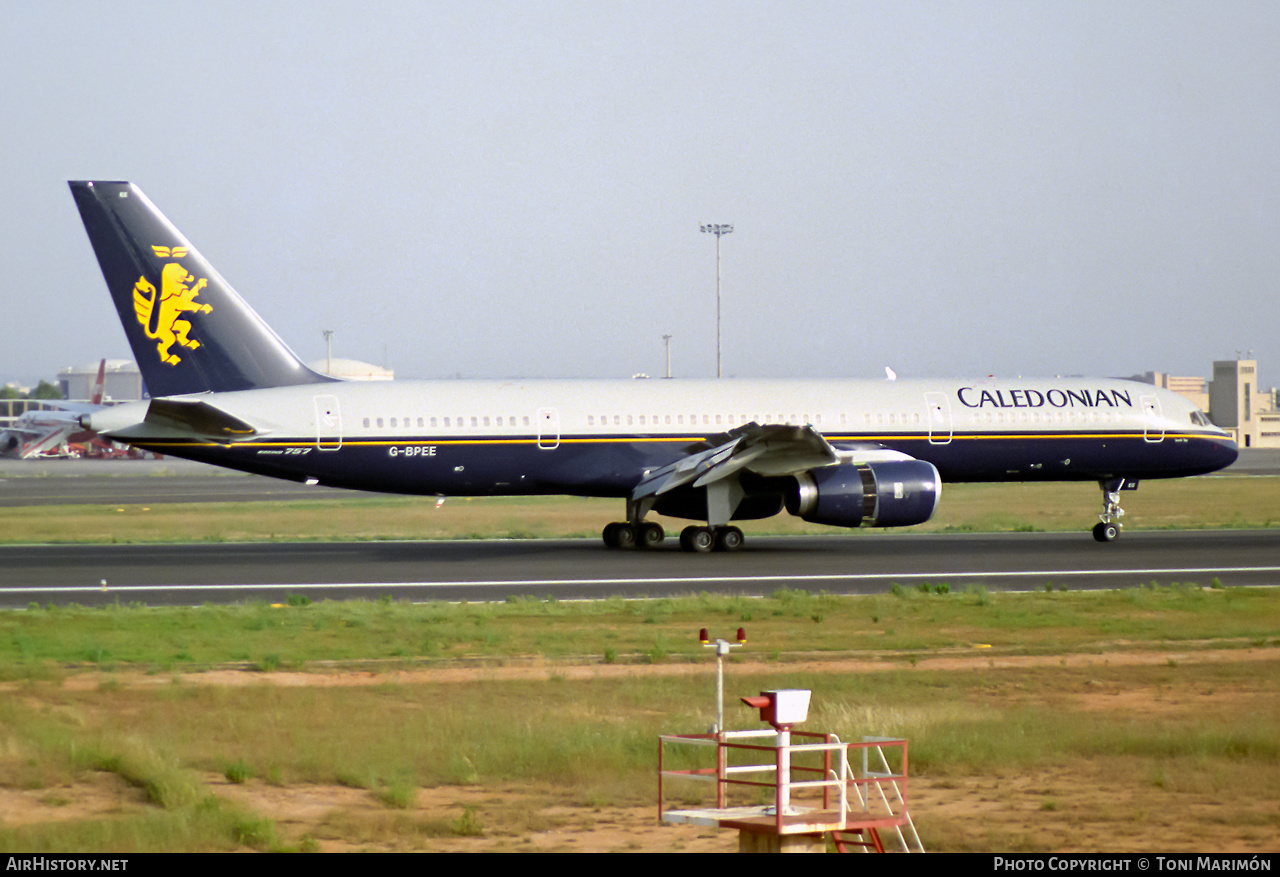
(43, 642)
(1217, 502)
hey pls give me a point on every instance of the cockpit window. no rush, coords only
(1199, 419)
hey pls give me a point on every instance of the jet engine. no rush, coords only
(892, 493)
(9, 442)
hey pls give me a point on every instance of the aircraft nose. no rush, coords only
(1226, 452)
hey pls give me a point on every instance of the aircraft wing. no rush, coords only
(48, 440)
(774, 449)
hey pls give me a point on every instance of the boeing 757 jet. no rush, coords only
(848, 453)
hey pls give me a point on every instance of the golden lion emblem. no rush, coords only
(160, 314)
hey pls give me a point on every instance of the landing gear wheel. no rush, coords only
(698, 540)
(651, 534)
(1106, 532)
(728, 539)
(619, 535)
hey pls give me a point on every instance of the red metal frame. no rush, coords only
(864, 822)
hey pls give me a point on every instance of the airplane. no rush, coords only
(43, 431)
(226, 390)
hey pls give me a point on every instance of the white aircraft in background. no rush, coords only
(226, 390)
(48, 430)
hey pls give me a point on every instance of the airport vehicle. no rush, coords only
(226, 390)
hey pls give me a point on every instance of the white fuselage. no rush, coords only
(524, 436)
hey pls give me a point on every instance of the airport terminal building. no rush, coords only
(1231, 399)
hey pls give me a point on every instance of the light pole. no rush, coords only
(718, 230)
(667, 339)
(328, 347)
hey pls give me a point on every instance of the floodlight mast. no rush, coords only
(717, 229)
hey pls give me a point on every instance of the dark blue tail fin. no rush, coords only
(189, 330)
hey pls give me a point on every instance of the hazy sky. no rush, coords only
(515, 188)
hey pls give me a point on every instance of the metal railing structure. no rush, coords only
(814, 789)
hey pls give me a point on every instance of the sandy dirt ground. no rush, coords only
(1066, 809)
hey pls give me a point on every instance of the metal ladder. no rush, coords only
(869, 839)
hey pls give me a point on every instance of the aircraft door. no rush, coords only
(938, 411)
(1152, 427)
(328, 423)
(548, 429)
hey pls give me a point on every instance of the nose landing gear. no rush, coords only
(1108, 527)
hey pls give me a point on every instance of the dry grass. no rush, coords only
(1120, 754)
(1141, 719)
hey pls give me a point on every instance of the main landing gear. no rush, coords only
(649, 534)
(716, 535)
(1108, 527)
(645, 534)
(700, 540)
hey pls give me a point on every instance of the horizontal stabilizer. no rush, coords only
(197, 417)
(167, 420)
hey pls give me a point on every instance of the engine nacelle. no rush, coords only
(892, 493)
(10, 442)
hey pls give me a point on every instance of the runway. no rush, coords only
(856, 563)
(860, 563)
